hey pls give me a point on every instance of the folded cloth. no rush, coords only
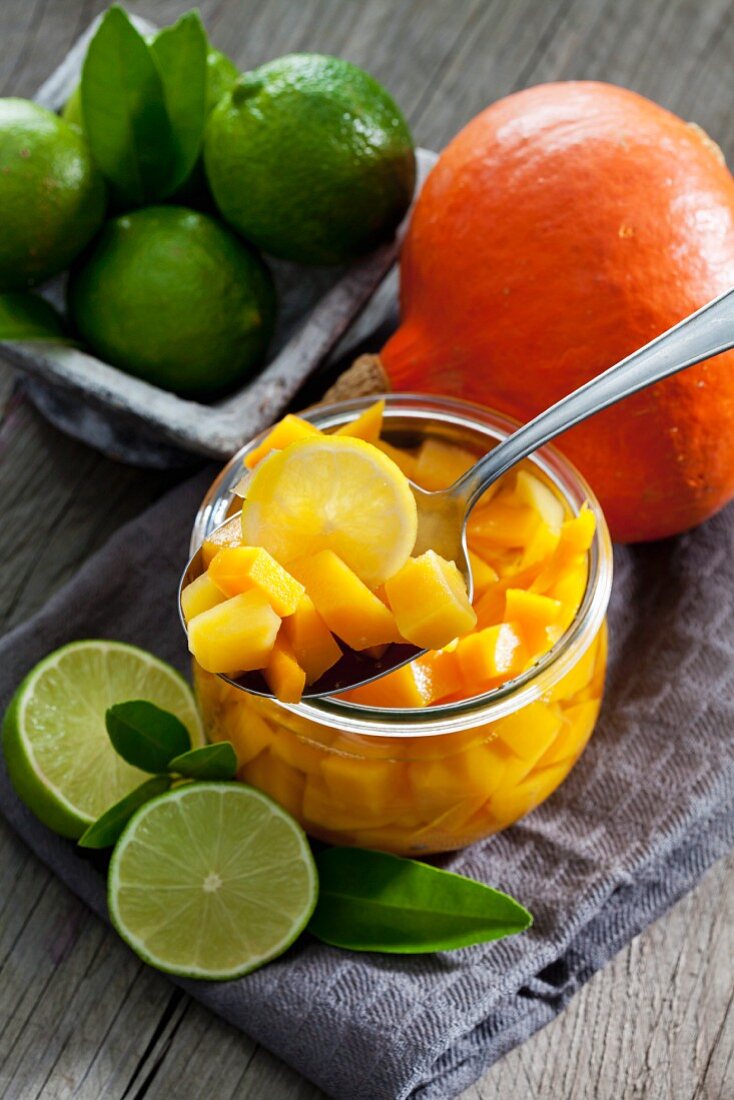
(647, 809)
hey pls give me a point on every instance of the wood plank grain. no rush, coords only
(60, 502)
(7, 385)
(657, 1023)
(36, 35)
(77, 1006)
(78, 1015)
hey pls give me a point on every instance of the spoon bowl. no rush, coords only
(353, 667)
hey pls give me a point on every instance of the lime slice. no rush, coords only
(59, 757)
(211, 880)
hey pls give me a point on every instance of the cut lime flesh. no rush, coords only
(59, 756)
(211, 880)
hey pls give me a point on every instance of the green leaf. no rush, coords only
(25, 316)
(371, 901)
(181, 52)
(124, 111)
(104, 832)
(145, 735)
(217, 761)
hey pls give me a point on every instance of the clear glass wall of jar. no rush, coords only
(438, 778)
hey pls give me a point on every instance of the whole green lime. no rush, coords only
(52, 198)
(170, 295)
(310, 158)
(221, 73)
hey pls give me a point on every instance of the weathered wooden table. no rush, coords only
(79, 1016)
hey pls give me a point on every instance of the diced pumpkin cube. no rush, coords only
(235, 636)
(570, 589)
(297, 752)
(578, 723)
(284, 784)
(530, 490)
(516, 768)
(237, 569)
(491, 655)
(490, 607)
(438, 784)
(367, 426)
(429, 600)
(249, 732)
(581, 718)
(441, 464)
(578, 533)
(199, 596)
(314, 646)
(318, 804)
(402, 459)
(373, 785)
(558, 566)
(283, 674)
(344, 602)
(529, 732)
(576, 537)
(482, 573)
(533, 613)
(409, 686)
(229, 534)
(330, 814)
(507, 563)
(501, 524)
(210, 701)
(541, 546)
(510, 803)
(489, 494)
(447, 830)
(440, 672)
(288, 430)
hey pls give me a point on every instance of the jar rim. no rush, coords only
(535, 682)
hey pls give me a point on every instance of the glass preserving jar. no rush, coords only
(436, 778)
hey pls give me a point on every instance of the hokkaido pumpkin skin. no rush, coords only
(563, 228)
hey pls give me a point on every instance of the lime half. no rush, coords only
(59, 757)
(211, 880)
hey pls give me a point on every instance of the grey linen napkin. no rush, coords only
(648, 808)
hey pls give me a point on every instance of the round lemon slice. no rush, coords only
(333, 493)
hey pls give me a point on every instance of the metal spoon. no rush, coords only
(443, 515)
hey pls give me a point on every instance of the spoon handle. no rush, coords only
(707, 332)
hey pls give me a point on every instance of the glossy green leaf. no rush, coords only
(105, 831)
(371, 901)
(181, 52)
(218, 761)
(25, 316)
(145, 735)
(124, 110)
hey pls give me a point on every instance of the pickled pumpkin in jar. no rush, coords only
(525, 714)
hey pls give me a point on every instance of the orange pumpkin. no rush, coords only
(563, 228)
